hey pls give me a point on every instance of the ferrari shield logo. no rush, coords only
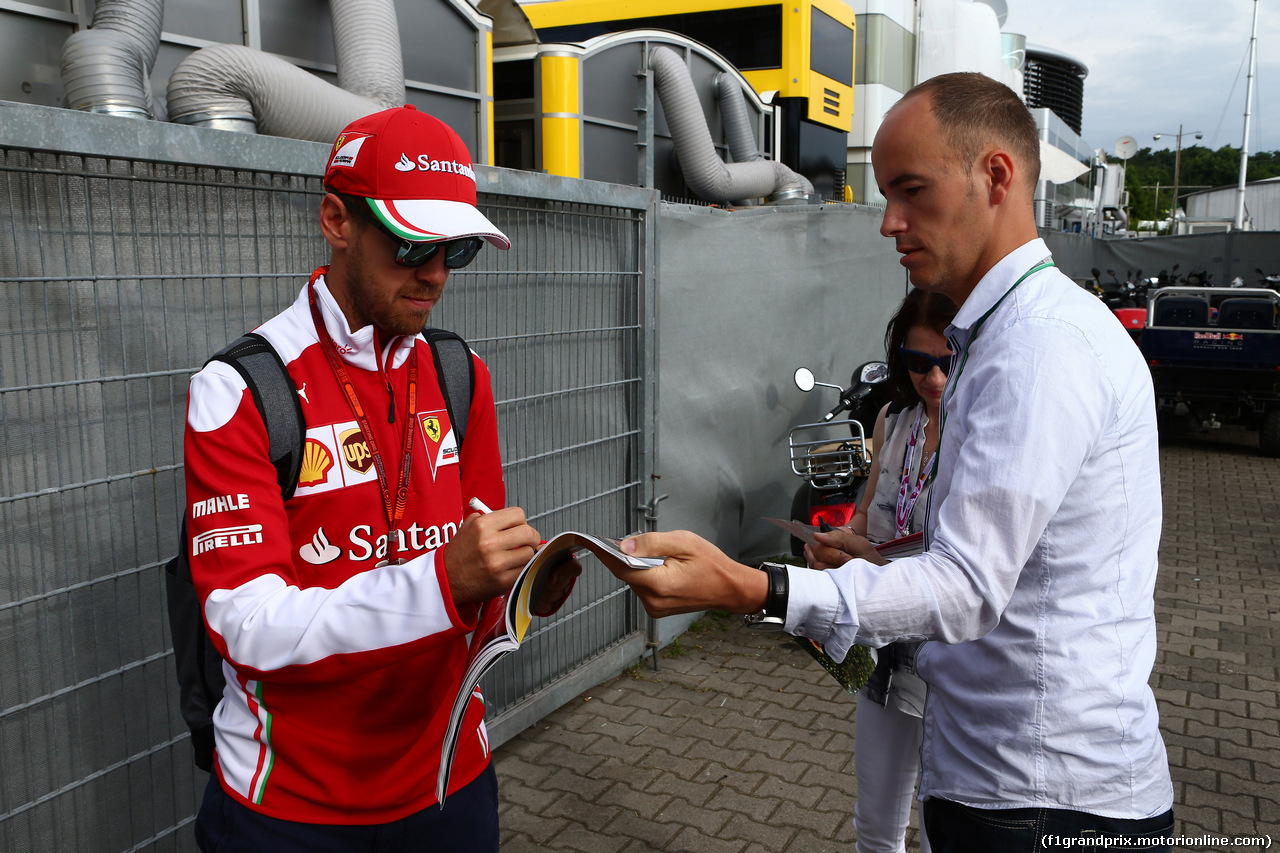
(437, 434)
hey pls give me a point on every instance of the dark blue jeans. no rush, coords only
(468, 822)
(954, 828)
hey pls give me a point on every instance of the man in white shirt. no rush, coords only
(1044, 518)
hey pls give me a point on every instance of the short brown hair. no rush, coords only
(976, 112)
(921, 308)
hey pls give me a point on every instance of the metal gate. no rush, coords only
(126, 258)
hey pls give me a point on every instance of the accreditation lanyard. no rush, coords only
(906, 503)
(964, 356)
(394, 507)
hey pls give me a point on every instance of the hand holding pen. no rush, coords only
(485, 556)
(557, 581)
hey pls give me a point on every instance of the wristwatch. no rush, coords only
(773, 616)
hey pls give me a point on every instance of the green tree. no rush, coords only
(1201, 168)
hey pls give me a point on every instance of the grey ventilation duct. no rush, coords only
(705, 173)
(107, 68)
(238, 88)
(737, 124)
(366, 44)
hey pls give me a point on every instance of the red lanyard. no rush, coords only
(906, 503)
(395, 510)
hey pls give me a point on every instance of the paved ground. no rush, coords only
(740, 743)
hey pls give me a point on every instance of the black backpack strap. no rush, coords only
(196, 659)
(276, 397)
(457, 373)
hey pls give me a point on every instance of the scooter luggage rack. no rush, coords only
(827, 461)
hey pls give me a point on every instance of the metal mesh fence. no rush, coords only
(119, 276)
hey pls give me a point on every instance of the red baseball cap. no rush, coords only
(415, 173)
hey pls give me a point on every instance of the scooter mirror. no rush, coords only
(874, 372)
(804, 379)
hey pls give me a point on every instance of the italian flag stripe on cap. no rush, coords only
(387, 214)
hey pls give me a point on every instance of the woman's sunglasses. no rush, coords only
(457, 253)
(919, 362)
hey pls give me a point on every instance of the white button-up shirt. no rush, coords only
(1040, 572)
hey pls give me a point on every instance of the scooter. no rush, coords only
(1198, 278)
(1127, 299)
(833, 457)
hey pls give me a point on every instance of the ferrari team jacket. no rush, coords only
(341, 668)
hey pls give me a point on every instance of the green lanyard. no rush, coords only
(964, 356)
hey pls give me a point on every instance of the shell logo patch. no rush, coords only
(316, 462)
(437, 434)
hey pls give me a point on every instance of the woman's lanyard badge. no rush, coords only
(907, 502)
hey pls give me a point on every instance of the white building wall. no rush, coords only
(901, 12)
(961, 36)
(1261, 203)
(947, 35)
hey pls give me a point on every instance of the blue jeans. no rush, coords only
(468, 822)
(954, 828)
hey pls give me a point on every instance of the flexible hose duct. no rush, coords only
(705, 173)
(233, 87)
(737, 125)
(107, 68)
(239, 88)
(366, 45)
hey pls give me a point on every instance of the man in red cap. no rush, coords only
(342, 613)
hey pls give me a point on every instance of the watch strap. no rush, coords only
(775, 604)
(773, 616)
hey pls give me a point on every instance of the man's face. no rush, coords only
(935, 209)
(396, 299)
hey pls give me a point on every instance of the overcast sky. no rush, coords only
(1155, 64)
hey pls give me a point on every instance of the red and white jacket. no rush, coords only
(340, 674)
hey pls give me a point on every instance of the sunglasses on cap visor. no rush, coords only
(409, 253)
(919, 362)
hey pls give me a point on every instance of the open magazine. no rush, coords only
(857, 666)
(894, 549)
(503, 622)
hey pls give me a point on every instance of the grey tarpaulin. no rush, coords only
(1222, 255)
(744, 298)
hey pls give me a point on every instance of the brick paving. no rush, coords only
(740, 743)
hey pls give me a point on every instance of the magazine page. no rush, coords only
(906, 546)
(800, 530)
(504, 621)
(491, 640)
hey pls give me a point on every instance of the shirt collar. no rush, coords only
(997, 281)
(356, 347)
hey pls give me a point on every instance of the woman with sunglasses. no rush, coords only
(888, 726)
